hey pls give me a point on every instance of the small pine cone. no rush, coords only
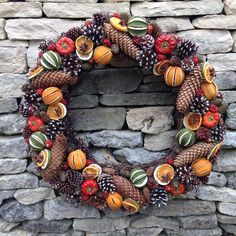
(26, 132)
(217, 133)
(159, 197)
(24, 107)
(55, 127)
(156, 30)
(73, 33)
(71, 65)
(203, 134)
(53, 79)
(187, 93)
(204, 179)
(75, 178)
(191, 154)
(200, 105)
(106, 184)
(100, 18)
(147, 59)
(186, 48)
(146, 194)
(32, 97)
(147, 42)
(44, 45)
(152, 183)
(187, 64)
(45, 117)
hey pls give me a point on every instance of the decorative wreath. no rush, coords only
(65, 161)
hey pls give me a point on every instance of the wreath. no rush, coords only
(64, 160)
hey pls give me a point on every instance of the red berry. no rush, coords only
(39, 91)
(167, 188)
(49, 143)
(91, 61)
(88, 23)
(64, 101)
(65, 46)
(170, 161)
(65, 166)
(89, 162)
(52, 47)
(150, 29)
(117, 15)
(136, 40)
(195, 60)
(40, 54)
(214, 108)
(161, 57)
(199, 93)
(105, 194)
(107, 42)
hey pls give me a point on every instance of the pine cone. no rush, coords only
(73, 33)
(189, 155)
(26, 132)
(53, 78)
(197, 71)
(106, 184)
(57, 158)
(71, 65)
(186, 48)
(200, 105)
(187, 93)
(159, 197)
(127, 189)
(187, 64)
(147, 59)
(123, 40)
(218, 133)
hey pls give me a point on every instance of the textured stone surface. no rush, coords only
(229, 139)
(215, 22)
(116, 139)
(28, 29)
(103, 156)
(201, 222)
(144, 231)
(173, 24)
(182, 208)
(58, 209)
(159, 142)
(32, 53)
(11, 124)
(226, 161)
(84, 101)
(81, 10)
(6, 194)
(13, 43)
(226, 80)
(153, 221)
(227, 208)
(20, 9)
(32, 168)
(113, 233)
(234, 38)
(138, 99)
(12, 89)
(98, 118)
(224, 219)
(12, 60)
(14, 143)
(196, 232)
(6, 226)
(13, 211)
(44, 225)
(223, 62)
(8, 105)
(31, 196)
(229, 228)
(230, 96)
(2, 31)
(12, 166)
(231, 118)
(152, 120)
(137, 155)
(210, 41)
(230, 7)
(217, 179)
(19, 232)
(180, 8)
(24, 180)
(231, 177)
(101, 225)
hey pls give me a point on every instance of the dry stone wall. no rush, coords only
(124, 114)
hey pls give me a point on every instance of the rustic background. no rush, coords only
(119, 110)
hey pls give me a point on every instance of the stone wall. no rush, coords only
(124, 118)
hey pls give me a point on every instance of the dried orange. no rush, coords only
(57, 111)
(35, 72)
(214, 150)
(84, 45)
(192, 121)
(164, 173)
(92, 171)
(131, 205)
(161, 67)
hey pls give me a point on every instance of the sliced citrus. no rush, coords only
(56, 111)
(84, 45)
(161, 67)
(35, 72)
(44, 159)
(84, 57)
(164, 173)
(192, 121)
(131, 205)
(214, 150)
(92, 171)
(208, 72)
(118, 24)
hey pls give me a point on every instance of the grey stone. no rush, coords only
(11, 124)
(21, 9)
(231, 118)
(152, 120)
(81, 10)
(32, 196)
(44, 225)
(156, 86)
(159, 142)
(196, 232)
(229, 139)
(58, 209)
(231, 177)
(113, 233)
(84, 101)
(222, 194)
(13, 211)
(19, 232)
(24, 180)
(153, 221)
(137, 155)
(144, 231)
(12, 166)
(198, 222)
(230, 229)
(230, 96)
(224, 219)
(116, 214)
(32, 53)
(182, 208)
(210, 41)
(32, 168)
(6, 194)
(43, 183)
(81, 1)
(12, 60)
(138, 99)
(10, 85)
(2, 30)
(230, 7)
(116, 138)
(189, 195)
(6, 226)
(8, 105)
(226, 161)
(217, 179)
(227, 208)
(173, 24)
(215, 22)
(223, 62)
(14, 143)
(13, 43)
(101, 225)
(180, 8)
(226, 80)
(28, 29)
(234, 38)
(98, 118)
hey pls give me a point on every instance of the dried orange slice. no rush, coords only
(84, 45)
(161, 67)
(117, 24)
(214, 150)
(131, 205)
(208, 72)
(57, 111)
(35, 72)
(92, 171)
(192, 121)
(164, 173)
